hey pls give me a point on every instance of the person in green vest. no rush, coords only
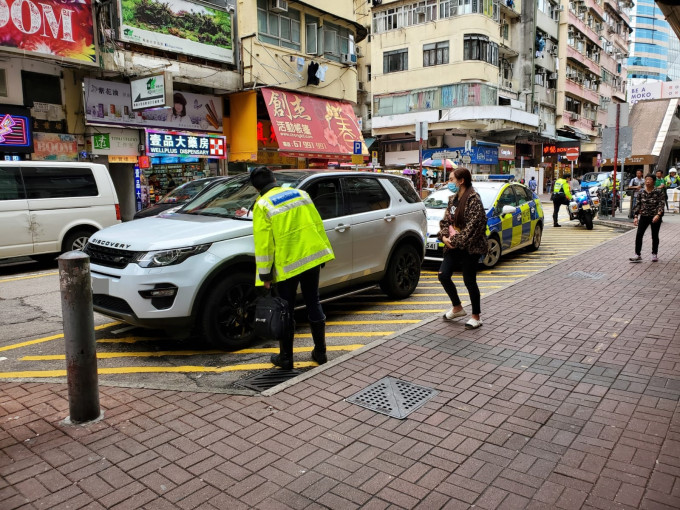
(561, 195)
(291, 245)
(660, 183)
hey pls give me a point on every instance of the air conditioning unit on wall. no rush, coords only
(348, 58)
(435, 141)
(278, 5)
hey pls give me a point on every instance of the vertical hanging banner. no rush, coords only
(60, 29)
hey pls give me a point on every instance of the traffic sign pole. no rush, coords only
(616, 158)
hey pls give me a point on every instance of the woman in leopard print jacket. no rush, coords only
(463, 232)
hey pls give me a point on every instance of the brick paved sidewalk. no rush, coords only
(567, 397)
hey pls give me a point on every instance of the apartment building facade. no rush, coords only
(510, 75)
(594, 46)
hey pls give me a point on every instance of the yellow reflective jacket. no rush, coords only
(562, 186)
(289, 235)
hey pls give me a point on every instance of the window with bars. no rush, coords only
(394, 61)
(478, 47)
(279, 28)
(436, 54)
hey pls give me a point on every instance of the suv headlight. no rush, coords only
(161, 258)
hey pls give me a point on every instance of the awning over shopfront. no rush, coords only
(313, 127)
(574, 133)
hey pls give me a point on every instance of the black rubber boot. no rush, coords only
(319, 336)
(284, 359)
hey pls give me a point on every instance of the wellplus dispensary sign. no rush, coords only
(173, 143)
(62, 30)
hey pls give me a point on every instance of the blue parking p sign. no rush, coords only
(357, 147)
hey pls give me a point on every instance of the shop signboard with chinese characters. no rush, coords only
(308, 126)
(180, 26)
(110, 103)
(62, 31)
(560, 148)
(55, 147)
(173, 143)
(478, 154)
(113, 142)
(15, 129)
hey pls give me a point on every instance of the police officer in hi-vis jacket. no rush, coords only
(290, 247)
(560, 195)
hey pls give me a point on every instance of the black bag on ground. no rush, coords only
(272, 318)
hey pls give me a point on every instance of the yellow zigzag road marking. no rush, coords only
(355, 323)
(133, 340)
(110, 355)
(48, 338)
(27, 277)
(376, 312)
(152, 370)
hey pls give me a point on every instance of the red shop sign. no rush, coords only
(63, 30)
(306, 125)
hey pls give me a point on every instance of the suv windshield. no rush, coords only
(185, 192)
(235, 197)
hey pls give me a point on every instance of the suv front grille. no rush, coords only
(109, 257)
(112, 304)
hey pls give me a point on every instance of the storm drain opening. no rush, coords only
(588, 276)
(266, 380)
(393, 397)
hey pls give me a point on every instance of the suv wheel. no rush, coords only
(228, 314)
(403, 273)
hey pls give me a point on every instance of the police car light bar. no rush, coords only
(493, 177)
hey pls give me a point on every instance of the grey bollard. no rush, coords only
(81, 351)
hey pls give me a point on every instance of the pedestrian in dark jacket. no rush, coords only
(463, 232)
(648, 212)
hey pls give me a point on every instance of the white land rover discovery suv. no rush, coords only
(194, 269)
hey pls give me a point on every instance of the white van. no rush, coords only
(53, 207)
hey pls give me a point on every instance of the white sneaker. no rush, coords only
(473, 324)
(450, 315)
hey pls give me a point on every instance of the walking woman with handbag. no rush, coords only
(463, 232)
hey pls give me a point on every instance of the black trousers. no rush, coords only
(468, 263)
(309, 284)
(643, 223)
(557, 202)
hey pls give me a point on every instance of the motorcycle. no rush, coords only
(584, 206)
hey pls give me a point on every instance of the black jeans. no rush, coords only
(643, 223)
(468, 263)
(309, 283)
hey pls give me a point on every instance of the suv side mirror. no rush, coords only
(508, 209)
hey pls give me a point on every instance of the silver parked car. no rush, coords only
(195, 268)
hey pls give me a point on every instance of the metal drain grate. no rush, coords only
(393, 397)
(269, 379)
(590, 276)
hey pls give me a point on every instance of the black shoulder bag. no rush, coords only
(272, 318)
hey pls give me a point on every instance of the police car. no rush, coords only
(514, 219)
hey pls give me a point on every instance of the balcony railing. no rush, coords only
(447, 96)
